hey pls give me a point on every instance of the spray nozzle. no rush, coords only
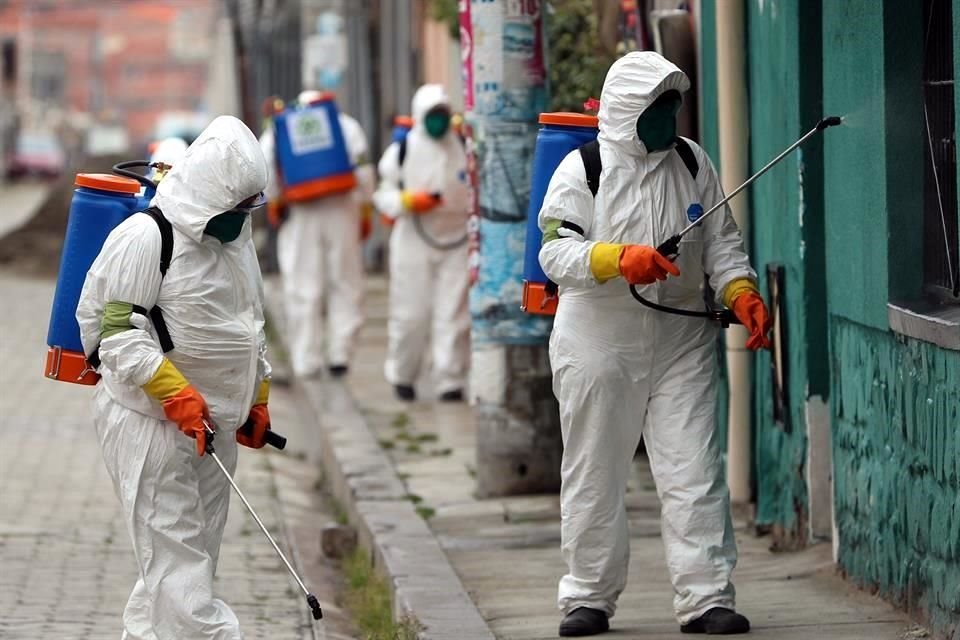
(829, 121)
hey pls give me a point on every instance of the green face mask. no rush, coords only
(227, 226)
(657, 125)
(437, 123)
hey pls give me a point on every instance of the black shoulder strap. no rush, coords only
(689, 158)
(166, 237)
(402, 152)
(166, 254)
(590, 154)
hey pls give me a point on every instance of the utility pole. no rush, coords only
(517, 417)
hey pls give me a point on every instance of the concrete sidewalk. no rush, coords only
(506, 551)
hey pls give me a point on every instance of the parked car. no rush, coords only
(37, 153)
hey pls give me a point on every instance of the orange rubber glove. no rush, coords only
(420, 201)
(387, 221)
(188, 410)
(253, 433)
(642, 264)
(752, 312)
(182, 403)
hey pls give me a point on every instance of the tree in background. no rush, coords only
(578, 59)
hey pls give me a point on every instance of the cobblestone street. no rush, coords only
(66, 566)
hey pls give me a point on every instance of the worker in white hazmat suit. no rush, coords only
(174, 500)
(320, 253)
(429, 278)
(621, 370)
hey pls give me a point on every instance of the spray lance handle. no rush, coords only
(670, 248)
(273, 439)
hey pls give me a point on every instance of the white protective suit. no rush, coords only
(620, 369)
(174, 502)
(321, 260)
(428, 285)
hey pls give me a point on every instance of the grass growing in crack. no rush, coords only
(368, 598)
(426, 437)
(440, 453)
(414, 498)
(414, 448)
(426, 512)
(339, 513)
(400, 421)
(387, 444)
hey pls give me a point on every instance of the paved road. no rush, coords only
(65, 562)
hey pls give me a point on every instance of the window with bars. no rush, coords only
(941, 237)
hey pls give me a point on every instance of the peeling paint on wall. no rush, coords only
(896, 412)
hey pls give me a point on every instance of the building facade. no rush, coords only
(857, 414)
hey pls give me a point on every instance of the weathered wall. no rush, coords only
(895, 401)
(897, 465)
(787, 229)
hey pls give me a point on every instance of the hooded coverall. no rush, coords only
(321, 261)
(621, 370)
(428, 285)
(175, 503)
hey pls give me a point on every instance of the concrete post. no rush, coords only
(517, 418)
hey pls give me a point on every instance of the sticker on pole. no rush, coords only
(309, 131)
(694, 212)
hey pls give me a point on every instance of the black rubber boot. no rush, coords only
(452, 396)
(405, 392)
(339, 370)
(584, 621)
(718, 622)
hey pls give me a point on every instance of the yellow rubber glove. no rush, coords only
(182, 403)
(605, 261)
(735, 289)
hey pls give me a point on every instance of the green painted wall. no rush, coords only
(897, 467)
(895, 401)
(787, 228)
(956, 71)
(873, 166)
(709, 129)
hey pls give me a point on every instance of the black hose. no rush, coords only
(433, 242)
(724, 316)
(121, 170)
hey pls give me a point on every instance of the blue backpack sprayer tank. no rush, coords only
(560, 134)
(312, 152)
(100, 202)
(401, 127)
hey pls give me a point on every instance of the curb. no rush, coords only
(361, 476)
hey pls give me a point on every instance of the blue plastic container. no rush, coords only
(100, 203)
(401, 127)
(560, 134)
(312, 152)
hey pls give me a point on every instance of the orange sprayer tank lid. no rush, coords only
(403, 121)
(569, 119)
(107, 182)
